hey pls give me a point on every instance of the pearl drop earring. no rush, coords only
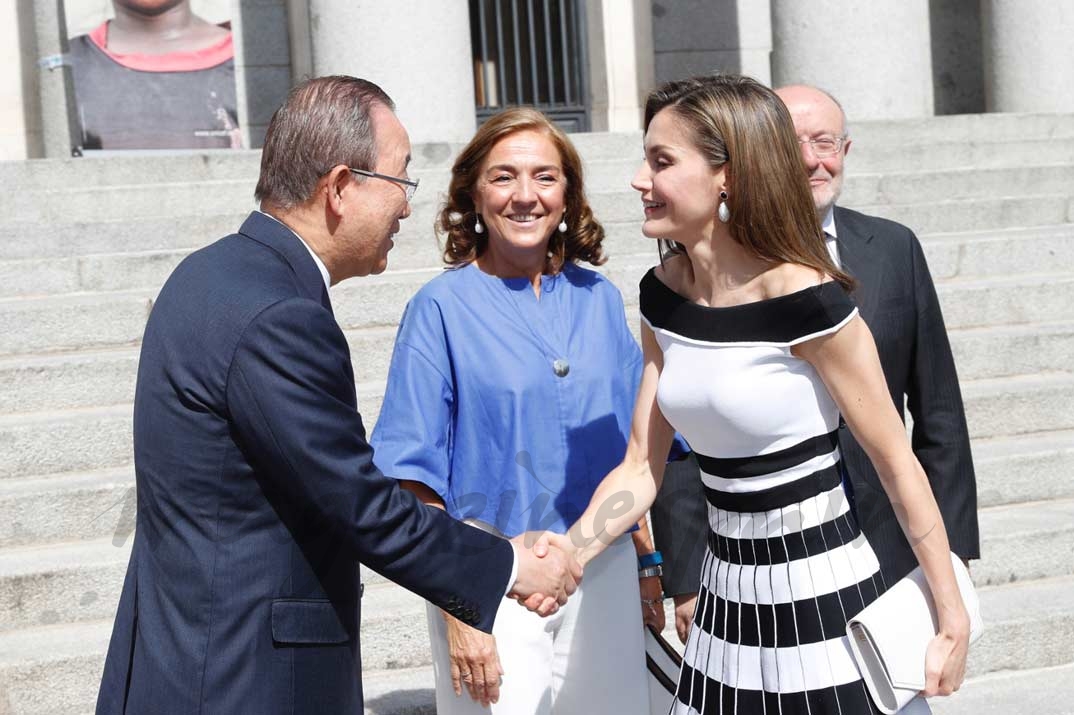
(723, 212)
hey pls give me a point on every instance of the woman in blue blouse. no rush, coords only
(509, 398)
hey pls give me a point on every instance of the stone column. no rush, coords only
(621, 62)
(417, 51)
(59, 129)
(693, 37)
(263, 58)
(1029, 55)
(20, 121)
(875, 57)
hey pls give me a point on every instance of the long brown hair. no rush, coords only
(739, 123)
(584, 235)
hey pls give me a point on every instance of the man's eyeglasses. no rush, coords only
(824, 146)
(409, 185)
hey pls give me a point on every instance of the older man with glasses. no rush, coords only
(897, 300)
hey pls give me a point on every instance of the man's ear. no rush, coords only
(335, 182)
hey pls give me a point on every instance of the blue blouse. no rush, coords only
(475, 409)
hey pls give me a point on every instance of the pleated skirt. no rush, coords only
(777, 589)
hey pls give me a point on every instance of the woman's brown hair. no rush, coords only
(582, 240)
(739, 123)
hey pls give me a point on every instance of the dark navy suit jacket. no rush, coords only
(897, 300)
(257, 498)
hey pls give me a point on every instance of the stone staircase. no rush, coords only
(85, 245)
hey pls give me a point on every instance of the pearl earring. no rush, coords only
(478, 228)
(563, 225)
(723, 212)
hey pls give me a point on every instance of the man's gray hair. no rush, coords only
(323, 123)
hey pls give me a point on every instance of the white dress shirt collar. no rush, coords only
(316, 259)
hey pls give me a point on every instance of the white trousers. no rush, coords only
(588, 658)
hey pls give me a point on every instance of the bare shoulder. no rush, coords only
(789, 278)
(674, 272)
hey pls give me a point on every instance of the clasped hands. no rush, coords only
(548, 571)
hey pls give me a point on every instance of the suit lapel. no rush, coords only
(860, 260)
(271, 233)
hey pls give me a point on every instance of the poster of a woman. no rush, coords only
(153, 74)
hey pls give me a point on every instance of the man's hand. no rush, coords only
(475, 662)
(547, 573)
(685, 603)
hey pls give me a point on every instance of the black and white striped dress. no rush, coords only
(787, 564)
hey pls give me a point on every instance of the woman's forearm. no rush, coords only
(919, 516)
(621, 500)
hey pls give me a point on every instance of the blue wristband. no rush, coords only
(654, 559)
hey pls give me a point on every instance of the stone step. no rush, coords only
(68, 507)
(90, 202)
(1021, 404)
(1018, 300)
(416, 246)
(610, 181)
(892, 135)
(964, 128)
(56, 669)
(97, 320)
(94, 378)
(979, 213)
(1027, 625)
(99, 504)
(1025, 468)
(871, 156)
(61, 583)
(93, 438)
(39, 443)
(1004, 252)
(101, 378)
(970, 183)
(1042, 691)
(87, 378)
(1025, 542)
(1011, 622)
(53, 670)
(951, 255)
(44, 239)
(1012, 349)
(609, 192)
(883, 159)
(81, 580)
(1045, 691)
(981, 136)
(77, 321)
(407, 691)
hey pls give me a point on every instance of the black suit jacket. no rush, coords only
(898, 302)
(257, 498)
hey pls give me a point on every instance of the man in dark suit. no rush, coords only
(898, 302)
(257, 493)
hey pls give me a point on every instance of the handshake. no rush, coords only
(548, 571)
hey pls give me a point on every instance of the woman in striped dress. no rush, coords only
(753, 352)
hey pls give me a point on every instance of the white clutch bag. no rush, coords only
(890, 637)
